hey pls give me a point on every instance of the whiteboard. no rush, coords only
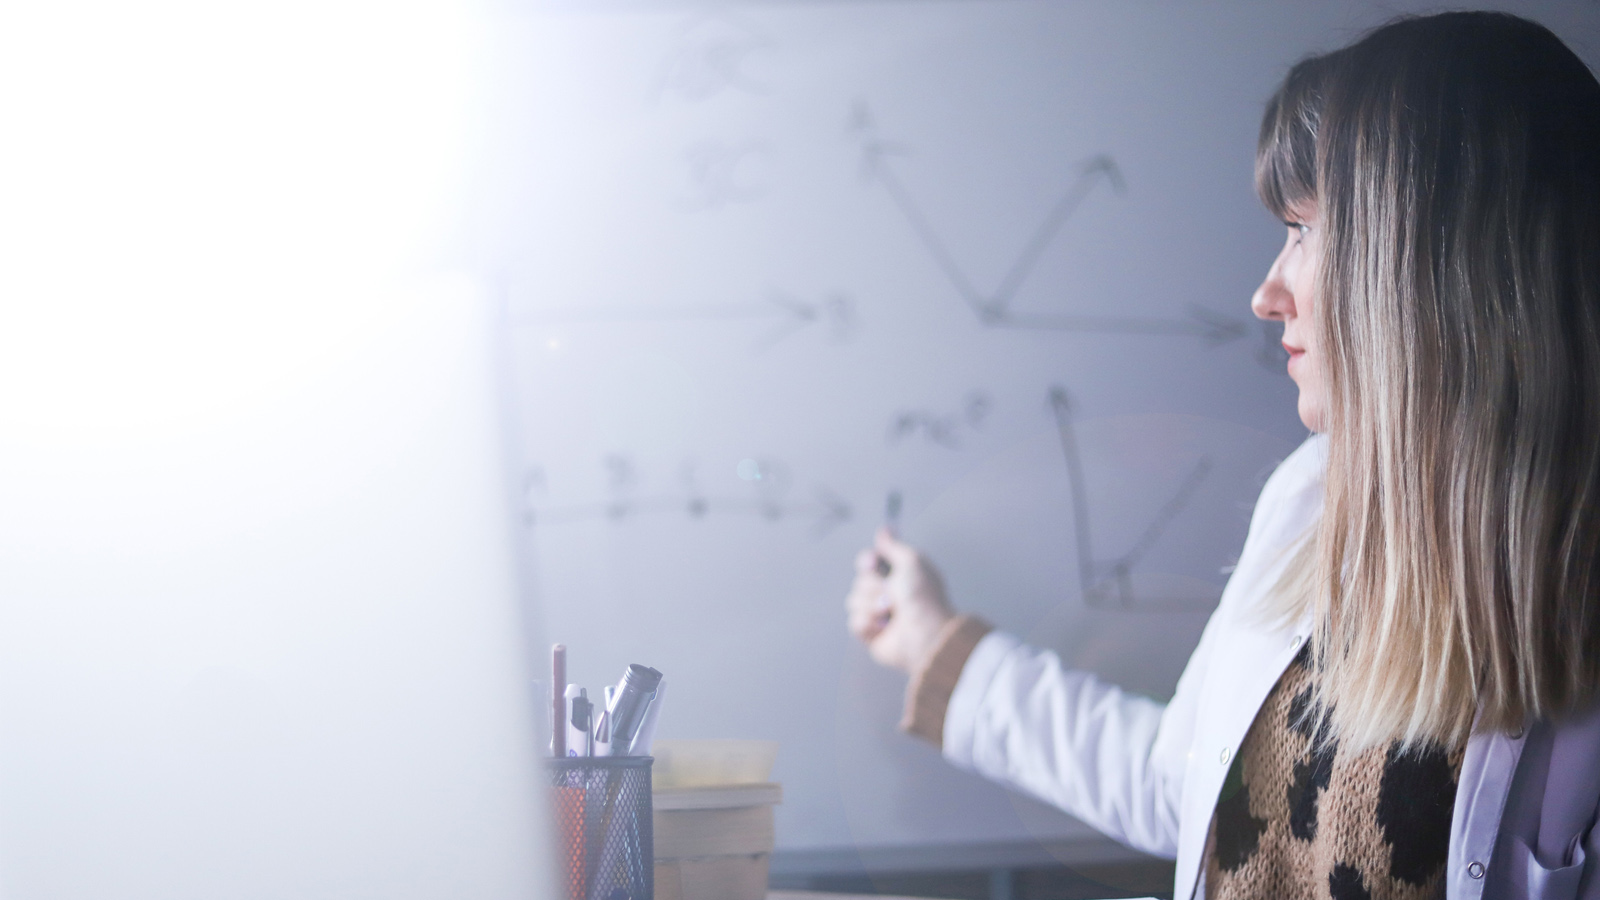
(763, 264)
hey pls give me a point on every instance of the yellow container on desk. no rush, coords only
(713, 841)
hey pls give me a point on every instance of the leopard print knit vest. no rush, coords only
(1301, 818)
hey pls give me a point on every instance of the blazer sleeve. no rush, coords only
(1111, 758)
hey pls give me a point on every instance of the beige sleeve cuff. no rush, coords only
(928, 694)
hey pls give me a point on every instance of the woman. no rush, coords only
(1396, 696)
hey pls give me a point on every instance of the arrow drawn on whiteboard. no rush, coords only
(786, 314)
(769, 479)
(993, 309)
(1110, 584)
(1210, 327)
(825, 511)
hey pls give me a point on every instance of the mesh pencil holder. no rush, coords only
(603, 824)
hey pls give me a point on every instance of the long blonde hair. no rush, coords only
(1455, 163)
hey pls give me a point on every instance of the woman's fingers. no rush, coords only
(891, 548)
(896, 604)
(901, 557)
(866, 610)
(866, 618)
(865, 591)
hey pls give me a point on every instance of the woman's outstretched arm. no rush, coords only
(1017, 714)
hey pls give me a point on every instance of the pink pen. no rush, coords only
(558, 701)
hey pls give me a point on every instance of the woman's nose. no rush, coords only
(1273, 300)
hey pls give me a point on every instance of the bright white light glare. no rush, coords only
(749, 470)
(258, 632)
(191, 191)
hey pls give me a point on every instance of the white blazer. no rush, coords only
(1148, 774)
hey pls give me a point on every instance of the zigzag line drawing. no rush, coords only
(1109, 584)
(993, 309)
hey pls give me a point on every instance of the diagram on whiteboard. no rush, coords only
(995, 308)
(628, 497)
(779, 314)
(947, 429)
(1109, 583)
(740, 306)
(721, 173)
(711, 56)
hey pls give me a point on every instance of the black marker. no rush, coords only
(891, 524)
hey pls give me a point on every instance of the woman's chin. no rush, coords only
(1310, 413)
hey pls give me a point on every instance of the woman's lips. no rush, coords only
(1294, 352)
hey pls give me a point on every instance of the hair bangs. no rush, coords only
(1286, 153)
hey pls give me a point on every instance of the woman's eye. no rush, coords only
(1299, 228)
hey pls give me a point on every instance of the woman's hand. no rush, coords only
(897, 604)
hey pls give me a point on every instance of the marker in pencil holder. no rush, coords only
(603, 824)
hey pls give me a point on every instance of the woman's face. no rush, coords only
(1289, 295)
